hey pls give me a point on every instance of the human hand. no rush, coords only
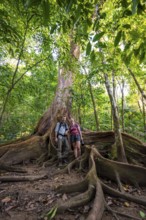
(66, 133)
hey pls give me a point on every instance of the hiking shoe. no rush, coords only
(65, 161)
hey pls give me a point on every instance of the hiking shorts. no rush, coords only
(74, 138)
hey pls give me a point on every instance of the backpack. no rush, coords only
(60, 124)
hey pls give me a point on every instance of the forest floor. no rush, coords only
(30, 200)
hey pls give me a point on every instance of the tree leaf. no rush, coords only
(92, 56)
(140, 8)
(46, 8)
(142, 56)
(126, 26)
(98, 36)
(51, 214)
(124, 3)
(53, 28)
(136, 52)
(117, 38)
(88, 48)
(142, 214)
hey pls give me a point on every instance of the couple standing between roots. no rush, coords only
(62, 131)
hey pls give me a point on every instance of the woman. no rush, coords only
(75, 137)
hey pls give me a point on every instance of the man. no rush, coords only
(61, 132)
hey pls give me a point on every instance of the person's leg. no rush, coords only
(73, 143)
(60, 143)
(75, 150)
(66, 148)
(78, 145)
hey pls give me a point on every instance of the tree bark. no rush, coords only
(93, 101)
(118, 138)
(137, 83)
(94, 106)
(122, 87)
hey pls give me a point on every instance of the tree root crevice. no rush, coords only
(115, 213)
(77, 201)
(118, 194)
(21, 178)
(12, 168)
(98, 205)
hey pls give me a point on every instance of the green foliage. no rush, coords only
(98, 36)
(88, 49)
(35, 41)
(142, 214)
(118, 38)
(51, 214)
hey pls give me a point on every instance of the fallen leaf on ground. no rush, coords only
(126, 204)
(64, 197)
(6, 200)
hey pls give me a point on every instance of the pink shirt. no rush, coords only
(74, 129)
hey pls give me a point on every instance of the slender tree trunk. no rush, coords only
(138, 86)
(94, 106)
(114, 84)
(118, 137)
(79, 115)
(122, 87)
(144, 116)
(93, 102)
(122, 111)
(114, 95)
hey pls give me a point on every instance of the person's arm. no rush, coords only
(67, 130)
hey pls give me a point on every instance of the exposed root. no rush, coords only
(21, 178)
(19, 152)
(127, 173)
(41, 159)
(71, 188)
(16, 140)
(119, 182)
(79, 200)
(118, 194)
(12, 169)
(93, 184)
(97, 165)
(79, 162)
(72, 164)
(98, 205)
(67, 168)
(50, 162)
(115, 213)
(84, 159)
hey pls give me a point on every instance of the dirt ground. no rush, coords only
(32, 200)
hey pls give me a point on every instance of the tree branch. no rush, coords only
(137, 83)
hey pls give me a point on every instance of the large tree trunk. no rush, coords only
(39, 143)
(61, 104)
